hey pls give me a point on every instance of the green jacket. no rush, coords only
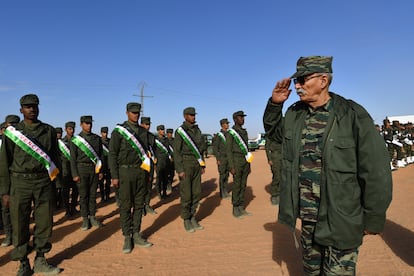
(219, 146)
(77, 156)
(356, 182)
(232, 148)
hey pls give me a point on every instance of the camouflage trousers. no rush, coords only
(325, 260)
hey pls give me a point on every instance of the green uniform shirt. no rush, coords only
(77, 156)
(233, 149)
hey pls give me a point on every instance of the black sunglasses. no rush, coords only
(302, 79)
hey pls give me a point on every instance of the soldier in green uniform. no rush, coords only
(189, 163)
(130, 166)
(171, 172)
(57, 185)
(335, 168)
(273, 154)
(239, 162)
(387, 133)
(219, 149)
(163, 156)
(105, 182)
(11, 120)
(146, 123)
(85, 163)
(30, 161)
(69, 188)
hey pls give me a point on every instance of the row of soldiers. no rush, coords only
(36, 161)
(399, 139)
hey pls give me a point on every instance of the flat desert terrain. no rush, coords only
(255, 245)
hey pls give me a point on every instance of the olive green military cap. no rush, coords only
(146, 120)
(12, 119)
(160, 127)
(170, 130)
(59, 130)
(133, 107)
(3, 125)
(224, 121)
(189, 110)
(313, 64)
(86, 119)
(238, 113)
(29, 99)
(70, 124)
(104, 129)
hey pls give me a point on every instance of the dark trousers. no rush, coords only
(105, 185)
(5, 216)
(70, 193)
(132, 191)
(24, 191)
(276, 157)
(87, 190)
(190, 189)
(242, 170)
(162, 178)
(223, 169)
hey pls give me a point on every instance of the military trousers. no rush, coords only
(242, 170)
(276, 157)
(105, 185)
(133, 188)
(162, 177)
(87, 190)
(25, 190)
(70, 192)
(190, 188)
(325, 260)
(5, 216)
(224, 170)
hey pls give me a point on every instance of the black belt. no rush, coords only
(30, 175)
(129, 166)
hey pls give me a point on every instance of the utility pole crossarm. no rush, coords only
(142, 96)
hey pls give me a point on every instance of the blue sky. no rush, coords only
(91, 57)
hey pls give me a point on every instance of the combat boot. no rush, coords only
(95, 223)
(244, 212)
(24, 268)
(127, 245)
(188, 226)
(85, 224)
(140, 241)
(149, 210)
(195, 224)
(237, 213)
(7, 241)
(41, 266)
(274, 200)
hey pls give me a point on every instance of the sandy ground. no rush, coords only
(255, 245)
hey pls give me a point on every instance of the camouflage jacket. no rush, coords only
(356, 183)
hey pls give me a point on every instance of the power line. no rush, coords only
(142, 96)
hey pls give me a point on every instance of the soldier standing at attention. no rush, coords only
(171, 172)
(69, 188)
(105, 182)
(29, 162)
(336, 175)
(57, 183)
(163, 156)
(189, 163)
(146, 123)
(130, 166)
(11, 120)
(219, 147)
(239, 162)
(86, 164)
(273, 154)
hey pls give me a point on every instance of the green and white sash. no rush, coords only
(64, 149)
(162, 148)
(84, 146)
(33, 150)
(105, 150)
(135, 144)
(221, 135)
(242, 145)
(187, 139)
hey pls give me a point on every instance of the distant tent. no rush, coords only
(402, 119)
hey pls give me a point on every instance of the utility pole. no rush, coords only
(142, 96)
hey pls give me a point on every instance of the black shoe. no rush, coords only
(149, 210)
(188, 226)
(41, 266)
(237, 213)
(95, 223)
(195, 224)
(24, 268)
(127, 248)
(140, 241)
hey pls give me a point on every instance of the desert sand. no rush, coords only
(255, 245)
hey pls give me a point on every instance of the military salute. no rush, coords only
(189, 163)
(130, 167)
(239, 162)
(86, 164)
(30, 162)
(219, 148)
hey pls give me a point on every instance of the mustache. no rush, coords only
(301, 91)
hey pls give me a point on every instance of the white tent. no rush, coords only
(402, 119)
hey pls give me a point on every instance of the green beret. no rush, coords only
(12, 119)
(313, 64)
(190, 111)
(29, 99)
(70, 124)
(133, 107)
(238, 113)
(86, 119)
(146, 120)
